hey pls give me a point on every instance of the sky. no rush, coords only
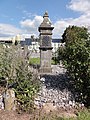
(24, 16)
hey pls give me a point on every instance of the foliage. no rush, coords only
(60, 53)
(34, 61)
(54, 60)
(76, 58)
(81, 115)
(25, 87)
(84, 115)
(73, 34)
(14, 73)
(6, 67)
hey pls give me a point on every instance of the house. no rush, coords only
(33, 45)
(6, 41)
(56, 43)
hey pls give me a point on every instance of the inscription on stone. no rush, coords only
(45, 41)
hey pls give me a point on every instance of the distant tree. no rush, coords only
(76, 58)
(33, 38)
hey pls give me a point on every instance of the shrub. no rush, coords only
(14, 73)
(76, 58)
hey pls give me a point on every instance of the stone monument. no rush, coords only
(45, 36)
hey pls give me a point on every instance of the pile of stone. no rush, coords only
(55, 91)
(58, 69)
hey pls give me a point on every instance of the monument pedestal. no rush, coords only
(45, 70)
(45, 59)
(45, 30)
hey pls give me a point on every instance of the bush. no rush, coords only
(76, 58)
(14, 73)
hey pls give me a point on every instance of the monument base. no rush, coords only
(45, 70)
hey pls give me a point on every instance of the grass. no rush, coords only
(36, 61)
(83, 115)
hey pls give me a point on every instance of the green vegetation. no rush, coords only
(76, 57)
(53, 62)
(14, 73)
(83, 115)
(36, 61)
(74, 34)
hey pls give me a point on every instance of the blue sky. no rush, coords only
(24, 16)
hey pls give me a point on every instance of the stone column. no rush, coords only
(45, 30)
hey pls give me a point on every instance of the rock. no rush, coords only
(55, 92)
(82, 105)
(1, 102)
(42, 79)
(73, 103)
(9, 100)
(48, 107)
(70, 103)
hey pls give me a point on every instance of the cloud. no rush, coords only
(31, 26)
(80, 5)
(61, 25)
(7, 30)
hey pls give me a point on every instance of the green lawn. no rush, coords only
(36, 61)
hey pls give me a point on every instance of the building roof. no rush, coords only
(27, 41)
(56, 40)
(5, 40)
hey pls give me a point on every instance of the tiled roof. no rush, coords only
(27, 41)
(56, 40)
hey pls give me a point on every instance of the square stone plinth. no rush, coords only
(45, 70)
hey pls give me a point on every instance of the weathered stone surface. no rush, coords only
(45, 30)
(9, 100)
(1, 102)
